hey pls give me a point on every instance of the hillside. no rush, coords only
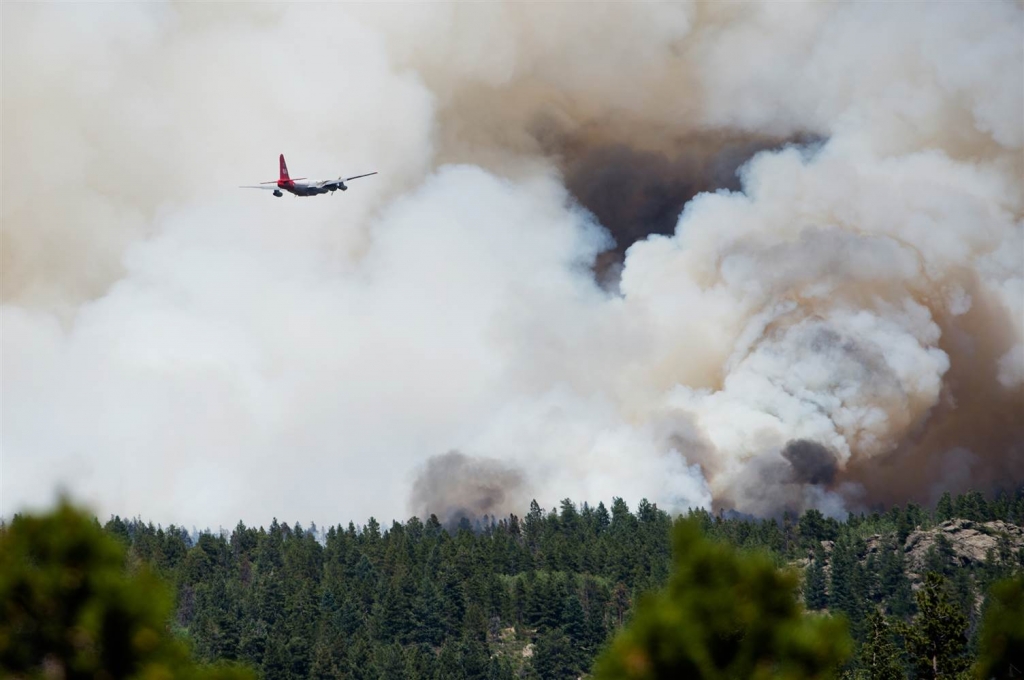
(958, 543)
(970, 544)
(537, 596)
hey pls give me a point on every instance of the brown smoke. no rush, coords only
(454, 487)
(634, 192)
(974, 437)
(814, 294)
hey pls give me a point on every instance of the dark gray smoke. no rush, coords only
(636, 192)
(812, 463)
(804, 473)
(868, 296)
(454, 487)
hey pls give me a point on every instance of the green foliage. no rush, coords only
(416, 600)
(845, 592)
(944, 509)
(937, 642)
(553, 657)
(724, 615)
(68, 609)
(893, 586)
(879, 658)
(815, 527)
(815, 594)
(1002, 631)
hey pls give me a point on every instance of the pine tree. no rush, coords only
(789, 534)
(941, 558)
(325, 662)
(894, 587)
(299, 654)
(359, 662)
(814, 528)
(971, 505)
(815, 593)
(475, 659)
(275, 660)
(420, 661)
(553, 656)
(963, 590)
(723, 615)
(500, 668)
(844, 593)
(905, 525)
(69, 609)
(944, 509)
(597, 625)
(879, 655)
(576, 630)
(427, 623)
(937, 640)
(449, 663)
(1001, 641)
(390, 662)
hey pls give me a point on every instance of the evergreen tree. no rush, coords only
(944, 509)
(723, 615)
(815, 594)
(427, 624)
(390, 663)
(879, 656)
(420, 661)
(449, 664)
(894, 585)
(576, 630)
(941, 558)
(1002, 631)
(815, 527)
(845, 592)
(475, 659)
(937, 640)
(325, 664)
(359, 661)
(68, 609)
(275, 661)
(906, 524)
(553, 656)
(499, 668)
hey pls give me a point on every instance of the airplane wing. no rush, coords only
(341, 180)
(271, 188)
(358, 176)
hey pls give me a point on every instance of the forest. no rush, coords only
(544, 595)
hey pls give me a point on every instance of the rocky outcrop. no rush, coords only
(970, 541)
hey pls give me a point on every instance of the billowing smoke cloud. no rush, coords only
(455, 487)
(812, 463)
(806, 222)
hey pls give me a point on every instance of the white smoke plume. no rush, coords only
(826, 328)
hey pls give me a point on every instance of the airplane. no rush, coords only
(295, 186)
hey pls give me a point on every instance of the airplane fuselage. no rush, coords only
(304, 189)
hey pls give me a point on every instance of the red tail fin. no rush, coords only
(284, 170)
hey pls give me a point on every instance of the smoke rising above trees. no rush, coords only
(615, 251)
